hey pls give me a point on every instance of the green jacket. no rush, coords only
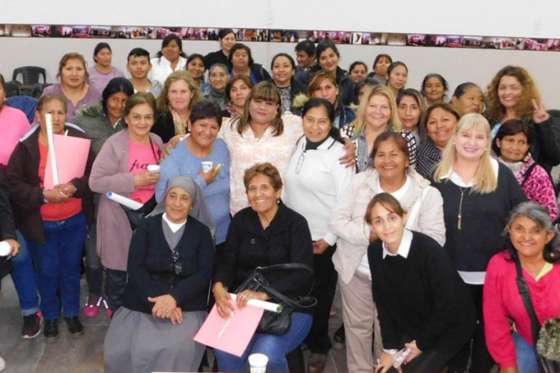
(96, 126)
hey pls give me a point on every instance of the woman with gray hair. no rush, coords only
(218, 77)
(169, 270)
(529, 257)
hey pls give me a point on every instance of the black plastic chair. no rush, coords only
(13, 88)
(29, 75)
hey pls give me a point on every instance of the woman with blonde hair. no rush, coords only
(177, 98)
(512, 94)
(376, 114)
(478, 194)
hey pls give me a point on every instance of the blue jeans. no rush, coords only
(25, 279)
(58, 263)
(274, 346)
(526, 355)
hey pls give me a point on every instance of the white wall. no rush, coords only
(473, 17)
(457, 65)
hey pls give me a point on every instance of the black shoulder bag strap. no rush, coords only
(524, 292)
(528, 173)
(301, 302)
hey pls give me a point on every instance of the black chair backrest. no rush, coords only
(29, 75)
(13, 88)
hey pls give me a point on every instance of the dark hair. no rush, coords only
(3, 83)
(394, 65)
(315, 102)
(323, 46)
(196, 56)
(116, 85)
(239, 46)
(138, 52)
(224, 32)
(387, 201)
(390, 136)
(437, 76)
(306, 46)
(509, 128)
(266, 91)
(463, 88)
(206, 109)
(139, 99)
(71, 56)
(410, 92)
(367, 82)
(243, 78)
(286, 55)
(168, 39)
(267, 169)
(380, 56)
(424, 121)
(45, 99)
(356, 63)
(99, 47)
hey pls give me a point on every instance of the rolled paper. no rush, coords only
(125, 201)
(267, 306)
(52, 154)
(5, 248)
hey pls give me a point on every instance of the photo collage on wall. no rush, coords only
(282, 36)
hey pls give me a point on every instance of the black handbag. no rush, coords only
(540, 336)
(135, 217)
(278, 323)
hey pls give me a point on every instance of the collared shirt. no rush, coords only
(404, 246)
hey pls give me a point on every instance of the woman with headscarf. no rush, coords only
(169, 271)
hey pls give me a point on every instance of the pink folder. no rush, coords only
(230, 335)
(71, 158)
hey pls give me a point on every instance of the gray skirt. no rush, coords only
(138, 342)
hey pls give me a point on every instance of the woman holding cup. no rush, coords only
(123, 166)
(206, 159)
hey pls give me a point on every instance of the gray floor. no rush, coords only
(76, 355)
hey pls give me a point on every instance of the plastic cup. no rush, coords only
(5, 248)
(206, 166)
(153, 168)
(257, 363)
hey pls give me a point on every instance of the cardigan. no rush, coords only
(7, 223)
(420, 297)
(314, 182)
(483, 218)
(503, 303)
(285, 240)
(26, 189)
(216, 194)
(110, 174)
(151, 271)
(164, 126)
(427, 159)
(353, 233)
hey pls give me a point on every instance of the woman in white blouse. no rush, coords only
(391, 173)
(314, 182)
(169, 59)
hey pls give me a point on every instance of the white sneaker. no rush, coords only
(2, 364)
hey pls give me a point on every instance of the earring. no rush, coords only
(278, 201)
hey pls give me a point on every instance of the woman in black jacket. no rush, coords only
(283, 69)
(241, 62)
(169, 270)
(263, 234)
(423, 306)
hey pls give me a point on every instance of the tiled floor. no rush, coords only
(74, 355)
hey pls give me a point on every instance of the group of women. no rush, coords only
(400, 200)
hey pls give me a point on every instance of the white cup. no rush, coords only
(5, 248)
(206, 166)
(257, 363)
(153, 167)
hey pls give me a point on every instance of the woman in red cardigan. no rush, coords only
(530, 242)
